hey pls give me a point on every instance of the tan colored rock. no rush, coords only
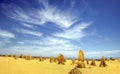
(61, 59)
(28, 57)
(111, 58)
(21, 56)
(103, 63)
(73, 61)
(6, 55)
(55, 59)
(81, 56)
(15, 56)
(80, 64)
(93, 62)
(40, 58)
(87, 61)
(75, 71)
(51, 59)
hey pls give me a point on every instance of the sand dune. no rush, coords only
(9, 65)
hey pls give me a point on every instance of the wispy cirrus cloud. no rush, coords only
(27, 25)
(75, 32)
(17, 13)
(45, 47)
(50, 43)
(6, 34)
(49, 13)
(41, 16)
(53, 14)
(57, 41)
(29, 32)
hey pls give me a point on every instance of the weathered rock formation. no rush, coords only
(40, 58)
(61, 59)
(51, 59)
(21, 56)
(75, 71)
(81, 56)
(28, 57)
(102, 63)
(87, 61)
(80, 64)
(73, 61)
(93, 62)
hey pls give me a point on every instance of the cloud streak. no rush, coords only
(53, 14)
(29, 32)
(17, 13)
(6, 34)
(73, 33)
(27, 25)
(51, 44)
(41, 16)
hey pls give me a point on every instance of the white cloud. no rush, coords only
(27, 25)
(42, 50)
(53, 14)
(54, 41)
(40, 16)
(54, 51)
(6, 34)
(17, 13)
(20, 42)
(57, 42)
(51, 43)
(75, 32)
(103, 52)
(60, 44)
(25, 31)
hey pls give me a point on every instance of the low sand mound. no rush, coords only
(73, 61)
(75, 71)
(118, 60)
(80, 64)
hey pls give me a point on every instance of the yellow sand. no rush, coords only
(21, 66)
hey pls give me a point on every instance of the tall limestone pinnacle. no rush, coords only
(81, 56)
(61, 59)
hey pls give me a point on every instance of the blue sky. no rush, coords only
(50, 27)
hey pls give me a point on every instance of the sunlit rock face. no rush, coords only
(103, 63)
(81, 56)
(61, 59)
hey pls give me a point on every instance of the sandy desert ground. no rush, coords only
(9, 65)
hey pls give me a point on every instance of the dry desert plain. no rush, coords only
(9, 65)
